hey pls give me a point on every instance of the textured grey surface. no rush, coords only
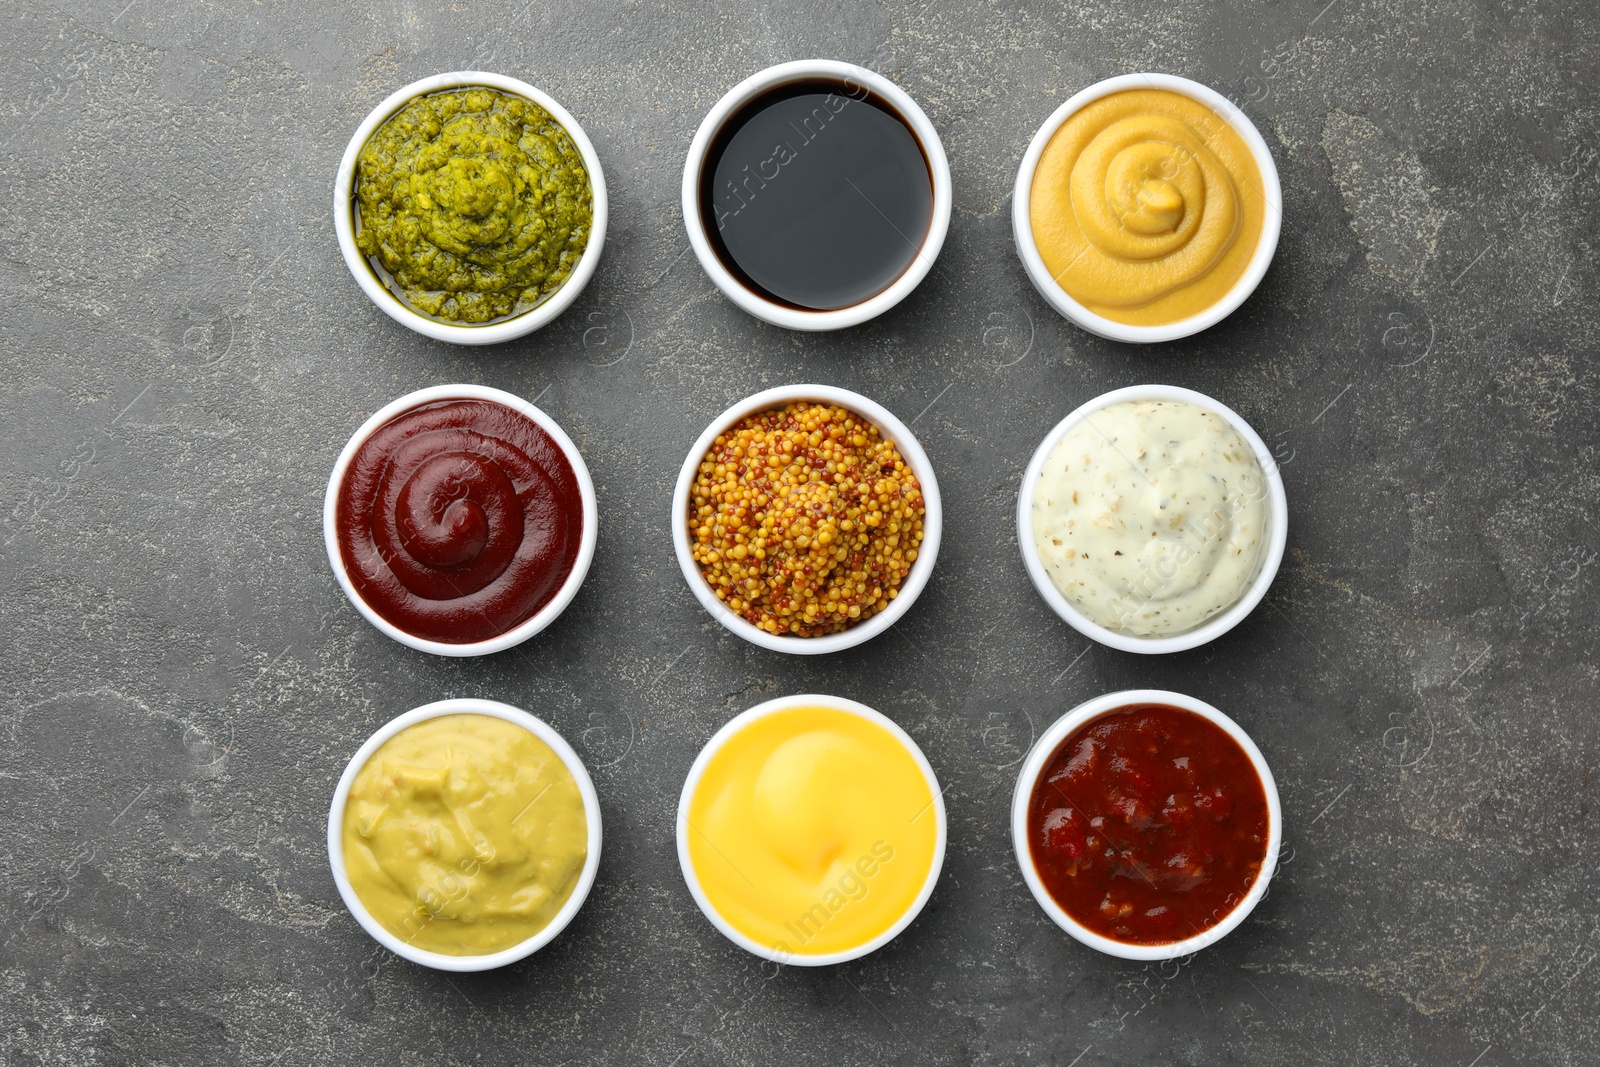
(184, 354)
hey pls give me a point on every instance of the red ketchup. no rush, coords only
(1148, 825)
(459, 520)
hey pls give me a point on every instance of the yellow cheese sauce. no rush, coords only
(464, 835)
(1146, 207)
(1150, 516)
(812, 830)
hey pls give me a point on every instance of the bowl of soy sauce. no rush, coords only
(816, 194)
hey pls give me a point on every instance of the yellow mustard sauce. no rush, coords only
(464, 835)
(1146, 207)
(812, 830)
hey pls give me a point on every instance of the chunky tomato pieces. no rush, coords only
(1149, 824)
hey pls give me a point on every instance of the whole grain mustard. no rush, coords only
(804, 519)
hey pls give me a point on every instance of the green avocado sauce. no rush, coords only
(472, 205)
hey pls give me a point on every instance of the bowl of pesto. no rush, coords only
(470, 207)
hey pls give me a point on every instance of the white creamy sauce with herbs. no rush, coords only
(1151, 516)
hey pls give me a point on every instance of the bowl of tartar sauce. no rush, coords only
(1152, 519)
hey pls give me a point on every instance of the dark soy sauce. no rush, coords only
(816, 195)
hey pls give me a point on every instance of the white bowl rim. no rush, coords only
(580, 566)
(387, 302)
(697, 771)
(938, 172)
(1271, 226)
(921, 568)
(1033, 765)
(465, 706)
(1277, 531)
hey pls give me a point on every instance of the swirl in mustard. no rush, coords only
(1146, 207)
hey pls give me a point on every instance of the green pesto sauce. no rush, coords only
(472, 205)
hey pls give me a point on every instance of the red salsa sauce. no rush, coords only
(1148, 825)
(459, 520)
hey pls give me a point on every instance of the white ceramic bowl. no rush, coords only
(938, 169)
(921, 568)
(493, 333)
(580, 566)
(1277, 527)
(465, 706)
(1039, 756)
(1057, 297)
(697, 771)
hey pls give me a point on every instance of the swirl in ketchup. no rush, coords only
(1149, 824)
(459, 520)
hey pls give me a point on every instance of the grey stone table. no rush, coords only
(184, 353)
